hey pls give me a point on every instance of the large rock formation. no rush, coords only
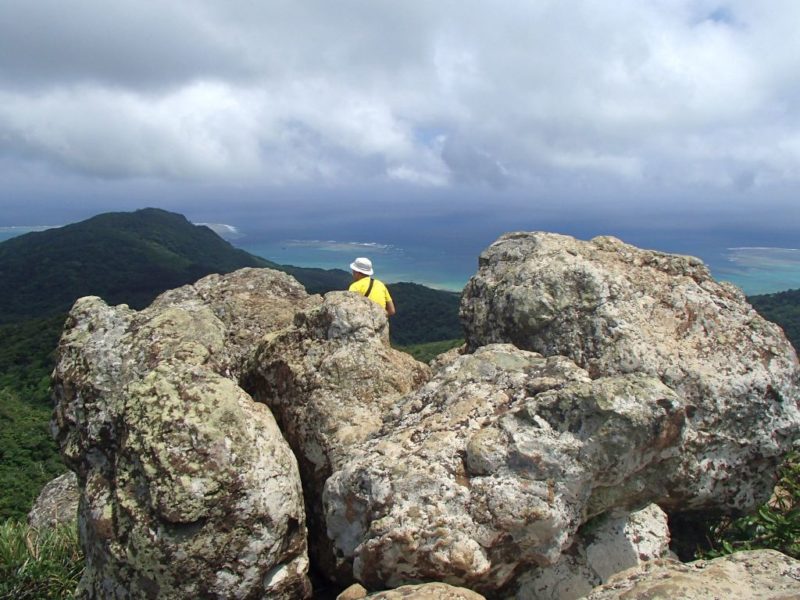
(616, 309)
(56, 504)
(331, 379)
(490, 468)
(188, 487)
(597, 379)
(603, 547)
(762, 574)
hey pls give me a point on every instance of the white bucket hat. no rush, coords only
(362, 265)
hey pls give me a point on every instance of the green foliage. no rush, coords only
(121, 257)
(423, 314)
(33, 564)
(318, 281)
(782, 308)
(27, 356)
(28, 455)
(427, 352)
(774, 525)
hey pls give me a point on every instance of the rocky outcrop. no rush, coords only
(597, 379)
(427, 591)
(762, 574)
(250, 303)
(490, 468)
(603, 547)
(330, 379)
(188, 487)
(424, 591)
(56, 504)
(616, 309)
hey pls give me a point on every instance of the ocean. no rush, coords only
(447, 262)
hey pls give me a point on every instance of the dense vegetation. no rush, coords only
(28, 454)
(423, 315)
(782, 308)
(121, 257)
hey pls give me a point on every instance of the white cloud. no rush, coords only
(428, 94)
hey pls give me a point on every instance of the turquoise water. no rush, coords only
(754, 270)
(431, 267)
(757, 270)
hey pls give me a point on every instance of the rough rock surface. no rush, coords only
(491, 467)
(330, 380)
(611, 543)
(250, 302)
(762, 574)
(616, 309)
(57, 503)
(188, 487)
(427, 591)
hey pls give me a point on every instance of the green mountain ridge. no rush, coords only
(132, 257)
(122, 257)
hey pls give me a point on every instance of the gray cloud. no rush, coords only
(530, 95)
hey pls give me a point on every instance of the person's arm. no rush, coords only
(390, 308)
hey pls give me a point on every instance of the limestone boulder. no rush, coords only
(331, 379)
(188, 488)
(490, 468)
(56, 504)
(762, 574)
(250, 302)
(607, 545)
(427, 591)
(615, 309)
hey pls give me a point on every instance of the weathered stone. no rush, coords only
(353, 592)
(607, 545)
(616, 309)
(188, 487)
(250, 302)
(762, 574)
(493, 465)
(330, 380)
(427, 591)
(57, 503)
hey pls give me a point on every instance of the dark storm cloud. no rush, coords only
(629, 102)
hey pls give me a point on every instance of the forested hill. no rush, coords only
(121, 257)
(782, 308)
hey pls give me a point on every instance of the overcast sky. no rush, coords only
(640, 113)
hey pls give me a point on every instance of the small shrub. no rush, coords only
(33, 564)
(774, 525)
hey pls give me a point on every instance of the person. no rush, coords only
(365, 284)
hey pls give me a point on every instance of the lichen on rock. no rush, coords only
(615, 309)
(331, 379)
(188, 487)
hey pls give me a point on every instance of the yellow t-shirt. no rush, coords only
(378, 294)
